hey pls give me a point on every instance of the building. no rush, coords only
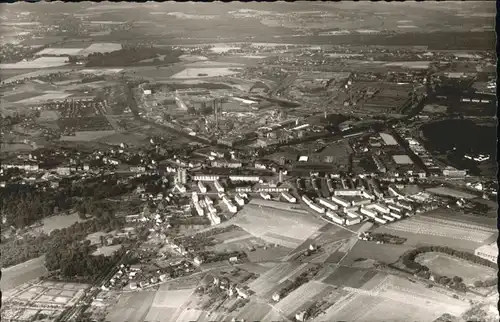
(245, 178)
(327, 203)
(239, 200)
(340, 201)
(181, 176)
(232, 208)
(288, 197)
(226, 164)
(347, 192)
(265, 195)
(194, 196)
(335, 217)
(317, 208)
(205, 177)
(202, 188)
(180, 188)
(218, 186)
(489, 252)
(199, 210)
(138, 169)
(452, 172)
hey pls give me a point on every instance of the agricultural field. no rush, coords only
(19, 274)
(305, 293)
(40, 99)
(445, 265)
(443, 229)
(101, 48)
(133, 306)
(205, 72)
(133, 139)
(19, 96)
(453, 217)
(254, 311)
(350, 277)
(288, 229)
(100, 71)
(410, 64)
(59, 51)
(87, 135)
(396, 299)
(59, 222)
(267, 283)
(15, 147)
(42, 62)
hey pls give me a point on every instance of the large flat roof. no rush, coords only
(388, 139)
(402, 159)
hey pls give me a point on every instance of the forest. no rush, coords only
(133, 56)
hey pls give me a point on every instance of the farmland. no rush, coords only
(396, 299)
(87, 135)
(19, 274)
(204, 72)
(132, 306)
(101, 48)
(451, 192)
(445, 265)
(44, 98)
(42, 62)
(383, 253)
(305, 293)
(265, 284)
(59, 51)
(277, 226)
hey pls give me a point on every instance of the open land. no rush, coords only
(277, 226)
(42, 62)
(19, 274)
(446, 265)
(59, 222)
(132, 306)
(204, 72)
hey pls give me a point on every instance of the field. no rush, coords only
(384, 253)
(417, 239)
(59, 51)
(411, 64)
(254, 311)
(44, 98)
(265, 284)
(395, 299)
(107, 250)
(192, 58)
(487, 223)
(101, 71)
(19, 274)
(132, 306)
(451, 192)
(350, 277)
(59, 222)
(450, 266)
(42, 62)
(426, 226)
(101, 48)
(13, 75)
(200, 72)
(7, 147)
(88, 135)
(305, 293)
(288, 229)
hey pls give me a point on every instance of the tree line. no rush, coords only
(127, 56)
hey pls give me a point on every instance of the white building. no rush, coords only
(202, 187)
(232, 208)
(335, 217)
(239, 200)
(317, 208)
(245, 178)
(265, 195)
(288, 197)
(194, 196)
(347, 192)
(327, 203)
(218, 186)
(368, 213)
(340, 201)
(205, 177)
(489, 252)
(180, 188)
(199, 210)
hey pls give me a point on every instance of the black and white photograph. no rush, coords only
(307, 161)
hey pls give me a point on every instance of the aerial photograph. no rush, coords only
(245, 161)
